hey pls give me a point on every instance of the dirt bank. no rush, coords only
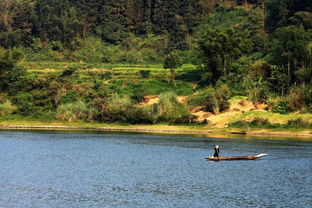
(166, 129)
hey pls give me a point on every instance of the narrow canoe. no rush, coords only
(250, 157)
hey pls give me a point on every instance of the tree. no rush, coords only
(291, 50)
(302, 18)
(218, 48)
(172, 61)
(11, 75)
(56, 20)
(280, 12)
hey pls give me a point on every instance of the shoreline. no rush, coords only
(164, 129)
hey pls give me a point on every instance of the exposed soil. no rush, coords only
(221, 120)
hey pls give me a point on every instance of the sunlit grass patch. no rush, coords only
(271, 120)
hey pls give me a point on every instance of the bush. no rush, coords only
(137, 115)
(145, 73)
(260, 121)
(24, 102)
(258, 93)
(167, 103)
(300, 97)
(75, 111)
(214, 101)
(298, 123)
(106, 75)
(138, 93)
(6, 108)
(68, 98)
(114, 108)
(170, 110)
(281, 107)
(223, 94)
(90, 49)
(211, 102)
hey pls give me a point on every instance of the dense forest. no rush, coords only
(219, 49)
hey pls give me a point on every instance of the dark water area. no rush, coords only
(47, 169)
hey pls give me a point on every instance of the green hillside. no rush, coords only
(157, 61)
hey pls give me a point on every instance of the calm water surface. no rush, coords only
(95, 170)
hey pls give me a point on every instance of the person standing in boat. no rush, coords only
(217, 151)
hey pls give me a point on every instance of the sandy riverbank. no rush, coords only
(162, 129)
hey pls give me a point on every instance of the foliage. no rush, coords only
(212, 100)
(172, 61)
(170, 110)
(258, 91)
(281, 107)
(300, 97)
(6, 107)
(79, 110)
(25, 104)
(217, 49)
(167, 104)
(290, 51)
(145, 73)
(298, 123)
(12, 76)
(112, 53)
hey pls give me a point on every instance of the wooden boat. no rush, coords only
(250, 157)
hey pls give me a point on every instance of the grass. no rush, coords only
(273, 118)
(125, 77)
(291, 121)
(127, 80)
(149, 87)
(118, 70)
(30, 122)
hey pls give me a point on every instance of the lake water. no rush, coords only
(46, 169)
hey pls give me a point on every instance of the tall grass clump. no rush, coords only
(79, 110)
(167, 102)
(170, 110)
(213, 100)
(115, 109)
(300, 98)
(6, 108)
(119, 102)
(299, 122)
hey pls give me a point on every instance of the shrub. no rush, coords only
(145, 73)
(300, 97)
(214, 101)
(69, 71)
(75, 111)
(167, 102)
(137, 115)
(114, 108)
(24, 102)
(119, 102)
(90, 49)
(138, 93)
(298, 123)
(170, 110)
(6, 108)
(106, 75)
(281, 107)
(258, 94)
(260, 121)
(69, 97)
(211, 102)
(223, 94)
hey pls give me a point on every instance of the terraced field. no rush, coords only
(125, 77)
